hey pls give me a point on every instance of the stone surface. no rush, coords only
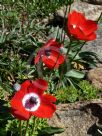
(91, 11)
(93, 1)
(95, 76)
(78, 119)
(96, 46)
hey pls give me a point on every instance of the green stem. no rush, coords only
(99, 18)
(57, 32)
(69, 8)
(27, 124)
(34, 126)
(78, 51)
(63, 38)
(69, 47)
(20, 127)
(63, 34)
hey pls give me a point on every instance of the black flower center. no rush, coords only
(33, 100)
(47, 52)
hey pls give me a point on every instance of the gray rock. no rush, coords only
(91, 11)
(78, 119)
(95, 76)
(93, 1)
(95, 46)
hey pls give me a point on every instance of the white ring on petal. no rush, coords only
(27, 97)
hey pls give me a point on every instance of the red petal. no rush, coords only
(80, 35)
(49, 98)
(61, 59)
(52, 42)
(16, 101)
(54, 60)
(91, 37)
(37, 59)
(72, 30)
(40, 86)
(84, 28)
(75, 18)
(25, 85)
(78, 30)
(48, 62)
(89, 27)
(22, 115)
(45, 110)
(57, 56)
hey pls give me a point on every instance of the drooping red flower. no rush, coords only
(50, 54)
(80, 27)
(30, 100)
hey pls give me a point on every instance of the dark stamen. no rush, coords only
(33, 100)
(47, 52)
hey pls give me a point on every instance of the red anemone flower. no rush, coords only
(30, 100)
(50, 54)
(80, 27)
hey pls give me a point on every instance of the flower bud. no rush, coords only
(17, 86)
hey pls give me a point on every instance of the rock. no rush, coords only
(93, 1)
(95, 76)
(91, 11)
(78, 119)
(96, 45)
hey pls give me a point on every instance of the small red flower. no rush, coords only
(80, 27)
(30, 100)
(50, 54)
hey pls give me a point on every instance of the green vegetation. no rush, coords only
(71, 94)
(14, 125)
(22, 33)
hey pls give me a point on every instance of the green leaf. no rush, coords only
(72, 83)
(2, 131)
(72, 54)
(87, 54)
(4, 111)
(75, 85)
(2, 37)
(70, 2)
(48, 131)
(75, 74)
